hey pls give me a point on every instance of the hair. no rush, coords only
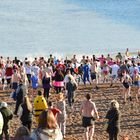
(69, 77)
(58, 71)
(22, 131)
(67, 70)
(60, 96)
(50, 103)
(21, 81)
(47, 120)
(88, 97)
(15, 71)
(114, 104)
(39, 92)
(28, 103)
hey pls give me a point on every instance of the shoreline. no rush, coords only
(69, 56)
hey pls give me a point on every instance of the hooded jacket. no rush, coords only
(46, 134)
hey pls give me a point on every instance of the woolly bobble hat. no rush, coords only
(3, 104)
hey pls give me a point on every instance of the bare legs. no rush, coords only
(126, 92)
(89, 132)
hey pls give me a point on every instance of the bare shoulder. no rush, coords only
(92, 103)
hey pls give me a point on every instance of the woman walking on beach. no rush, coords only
(47, 128)
(46, 84)
(61, 118)
(88, 110)
(136, 81)
(113, 116)
(58, 81)
(25, 113)
(126, 81)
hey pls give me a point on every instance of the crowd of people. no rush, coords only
(63, 77)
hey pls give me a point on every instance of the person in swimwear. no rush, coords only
(126, 81)
(88, 110)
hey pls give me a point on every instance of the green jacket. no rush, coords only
(7, 115)
(1, 123)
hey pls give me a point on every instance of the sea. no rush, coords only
(31, 28)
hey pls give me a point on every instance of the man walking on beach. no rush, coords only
(88, 110)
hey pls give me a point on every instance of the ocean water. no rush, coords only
(65, 27)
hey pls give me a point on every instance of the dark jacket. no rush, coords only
(71, 86)
(46, 82)
(26, 114)
(7, 116)
(21, 93)
(113, 115)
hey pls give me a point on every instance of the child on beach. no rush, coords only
(61, 118)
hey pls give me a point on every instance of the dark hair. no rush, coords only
(39, 92)
(88, 97)
(50, 103)
(69, 78)
(22, 131)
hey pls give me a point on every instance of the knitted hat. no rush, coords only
(3, 104)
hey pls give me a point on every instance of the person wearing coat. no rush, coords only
(22, 133)
(113, 116)
(25, 113)
(47, 128)
(70, 87)
(7, 116)
(20, 94)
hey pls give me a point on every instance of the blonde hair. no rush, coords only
(60, 96)
(114, 104)
(28, 103)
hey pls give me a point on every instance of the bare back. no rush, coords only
(88, 108)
